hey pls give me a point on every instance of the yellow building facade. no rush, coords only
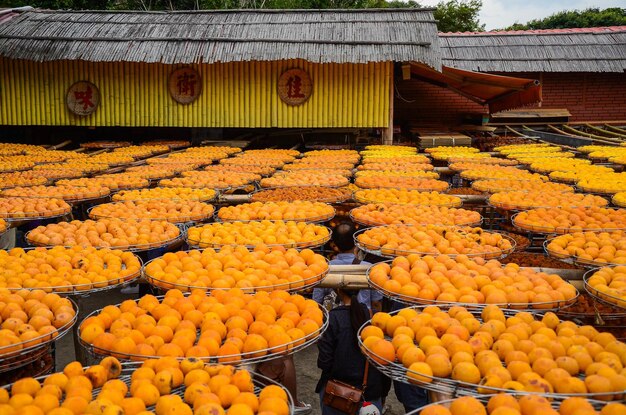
(241, 61)
(235, 94)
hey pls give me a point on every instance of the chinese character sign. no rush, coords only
(82, 98)
(185, 85)
(294, 87)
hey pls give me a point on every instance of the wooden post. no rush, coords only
(388, 133)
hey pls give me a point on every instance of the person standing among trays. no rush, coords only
(340, 357)
(343, 239)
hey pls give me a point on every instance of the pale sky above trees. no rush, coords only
(503, 13)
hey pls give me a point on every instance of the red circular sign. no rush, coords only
(295, 87)
(82, 98)
(185, 85)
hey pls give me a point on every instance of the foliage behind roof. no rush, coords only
(598, 49)
(341, 36)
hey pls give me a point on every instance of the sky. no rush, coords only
(497, 14)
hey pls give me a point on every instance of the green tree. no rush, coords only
(394, 4)
(592, 17)
(459, 16)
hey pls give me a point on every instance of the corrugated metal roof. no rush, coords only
(556, 50)
(340, 36)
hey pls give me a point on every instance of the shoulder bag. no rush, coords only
(344, 397)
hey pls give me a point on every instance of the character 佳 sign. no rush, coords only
(185, 85)
(82, 98)
(295, 87)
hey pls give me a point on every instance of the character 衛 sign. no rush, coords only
(82, 98)
(185, 85)
(295, 87)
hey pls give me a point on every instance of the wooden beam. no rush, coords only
(503, 84)
(607, 133)
(235, 198)
(558, 131)
(60, 145)
(357, 279)
(514, 132)
(614, 129)
(355, 282)
(583, 137)
(594, 136)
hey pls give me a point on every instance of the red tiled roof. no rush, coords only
(605, 29)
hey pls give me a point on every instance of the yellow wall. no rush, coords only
(239, 94)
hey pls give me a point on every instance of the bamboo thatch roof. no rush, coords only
(342, 36)
(600, 49)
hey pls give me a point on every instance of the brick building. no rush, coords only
(582, 70)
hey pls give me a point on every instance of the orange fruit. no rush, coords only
(440, 365)
(195, 390)
(502, 400)
(204, 399)
(517, 368)
(374, 331)
(383, 352)
(148, 393)
(20, 400)
(240, 409)
(249, 399)
(419, 372)
(613, 408)
(243, 381)
(76, 404)
(228, 353)
(466, 372)
(167, 404)
(31, 410)
(28, 386)
(97, 375)
(132, 406)
(227, 394)
(210, 409)
(196, 376)
(600, 386)
(571, 405)
(393, 323)
(529, 404)
(277, 406)
(467, 405)
(60, 411)
(73, 369)
(435, 410)
(273, 391)
(46, 402)
(505, 411)
(218, 381)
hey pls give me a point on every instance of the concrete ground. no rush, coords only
(306, 360)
